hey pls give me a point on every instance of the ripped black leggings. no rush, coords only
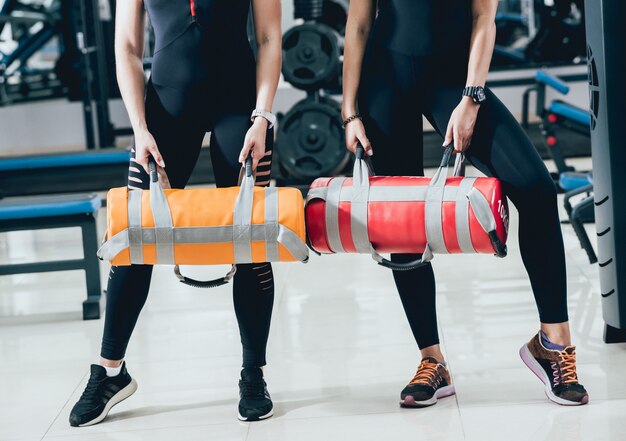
(179, 138)
(395, 91)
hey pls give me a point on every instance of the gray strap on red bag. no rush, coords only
(435, 192)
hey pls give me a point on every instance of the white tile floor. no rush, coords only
(340, 352)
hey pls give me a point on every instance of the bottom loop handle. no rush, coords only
(405, 266)
(205, 283)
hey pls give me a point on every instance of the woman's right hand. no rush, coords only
(355, 134)
(146, 148)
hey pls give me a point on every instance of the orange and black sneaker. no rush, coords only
(557, 370)
(431, 381)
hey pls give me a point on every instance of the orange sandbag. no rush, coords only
(204, 226)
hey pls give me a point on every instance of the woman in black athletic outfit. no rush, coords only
(431, 58)
(204, 79)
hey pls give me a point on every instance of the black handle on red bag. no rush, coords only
(360, 151)
(407, 266)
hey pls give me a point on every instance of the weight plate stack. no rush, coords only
(310, 142)
(307, 9)
(311, 54)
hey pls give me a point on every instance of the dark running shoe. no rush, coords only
(100, 395)
(557, 370)
(255, 402)
(431, 381)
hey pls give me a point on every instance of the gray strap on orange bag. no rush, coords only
(241, 232)
(242, 221)
(164, 228)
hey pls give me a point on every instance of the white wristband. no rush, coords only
(269, 116)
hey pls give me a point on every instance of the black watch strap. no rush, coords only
(477, 93)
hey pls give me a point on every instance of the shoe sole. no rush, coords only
(115, 399)
(262, 417)
(536, 368)
(443, 392)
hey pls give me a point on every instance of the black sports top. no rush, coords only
(224, 22)
(422, 27)
(202, 54)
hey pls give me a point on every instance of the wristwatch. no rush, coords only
(269, 116)
(477, 93)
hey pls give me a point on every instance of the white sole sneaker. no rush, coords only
(262, 417)
(443, 392)
(115, 399)
(536, 368)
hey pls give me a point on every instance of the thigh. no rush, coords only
(179, 140)
(500, 147)
(227, 136)
(391, 114)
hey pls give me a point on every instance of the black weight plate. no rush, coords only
(310, 141)
(310, 56)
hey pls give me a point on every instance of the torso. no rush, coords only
(423, 27)
(223, 22)
(202, 54)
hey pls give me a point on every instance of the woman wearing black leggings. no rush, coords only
(431, 58)
(204, 79)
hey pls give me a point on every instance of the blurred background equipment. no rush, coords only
(310, 141)
(539, 31)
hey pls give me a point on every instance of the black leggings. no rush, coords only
(396, 90)
(179, 139)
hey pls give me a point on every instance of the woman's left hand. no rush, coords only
(461, 125)
(254, 142)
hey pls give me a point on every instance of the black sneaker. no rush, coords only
(100, 395)
(431, 381)
(255, 402)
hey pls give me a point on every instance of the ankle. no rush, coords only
(557, 333)
(110, 363)
(433, 351)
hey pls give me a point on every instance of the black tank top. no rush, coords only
(422, 27)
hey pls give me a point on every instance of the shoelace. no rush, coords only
(568, 367)
(90, 390)
(252, 389)
(426, 374)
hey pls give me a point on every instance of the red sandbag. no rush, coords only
(401, 214)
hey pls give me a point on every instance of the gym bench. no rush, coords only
(74, 172)
(61, 211)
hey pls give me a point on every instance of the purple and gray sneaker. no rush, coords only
(557, 370)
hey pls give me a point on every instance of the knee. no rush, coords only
(538, 192)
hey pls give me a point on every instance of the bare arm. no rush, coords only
(482, 42)
(268, 34)
(267, 30)
(129, 32)
(360, 18)
(461, 125)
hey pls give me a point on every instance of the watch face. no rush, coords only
(480, 95)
